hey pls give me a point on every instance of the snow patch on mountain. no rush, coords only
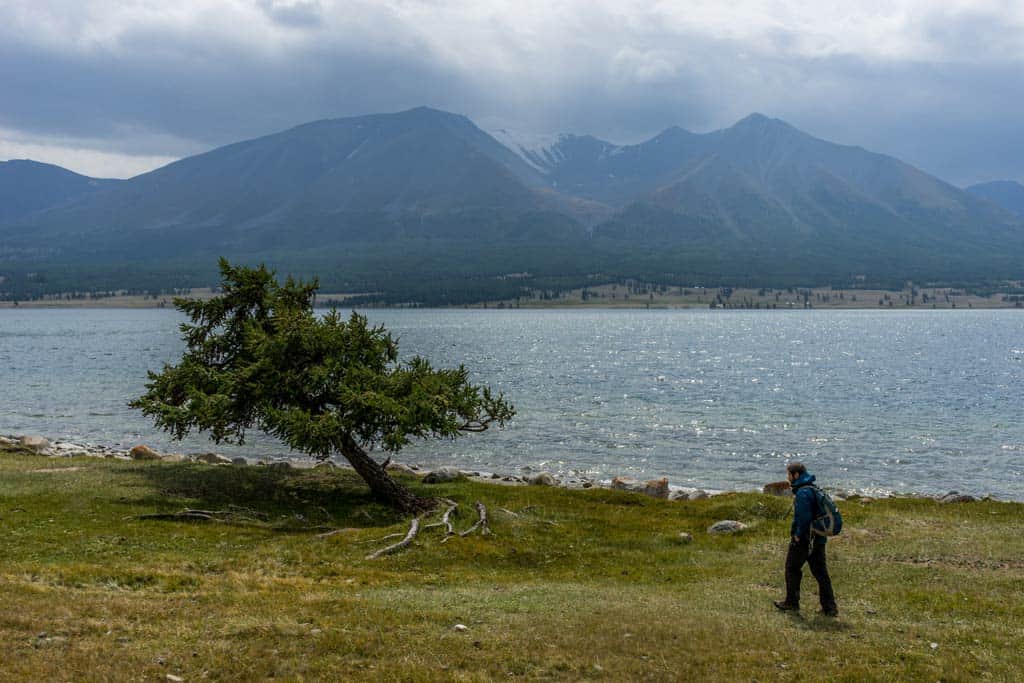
(538, 150)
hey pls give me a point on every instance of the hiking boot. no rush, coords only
(786, 606)
(829, 612)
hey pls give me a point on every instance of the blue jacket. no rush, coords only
(805, 504)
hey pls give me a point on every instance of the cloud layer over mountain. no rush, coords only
(109, 87)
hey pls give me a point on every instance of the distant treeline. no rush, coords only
(433, 273)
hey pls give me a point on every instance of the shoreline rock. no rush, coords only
(655, 488)
(778, 488)
(143, 452)
(35, 443)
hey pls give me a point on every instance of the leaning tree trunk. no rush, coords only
(381, 483)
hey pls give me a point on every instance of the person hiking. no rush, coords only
(805, 546)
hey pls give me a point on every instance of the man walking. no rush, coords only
(803, 547)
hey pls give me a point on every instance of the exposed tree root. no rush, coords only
(481, 525)
(414, 528)
(481, 522)
(332, 532)
(184, 515)
(234, 515)
(446, 521)
(383, 538)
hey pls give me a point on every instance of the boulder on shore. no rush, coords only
(36, 443)
(143, 452)
(726, 526)
(542, 479)
(401, 468)
(442, 474)
(689, 494)
(956, 497)
(212, 459)
(655, 488)
(778, 488)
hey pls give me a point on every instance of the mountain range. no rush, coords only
(423, 205)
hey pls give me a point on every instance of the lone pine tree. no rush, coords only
(258, 357)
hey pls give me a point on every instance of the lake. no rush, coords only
(876, 401)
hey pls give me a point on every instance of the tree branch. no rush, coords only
(185, 515)
(446, 519)
(480, 523)
(414, 528)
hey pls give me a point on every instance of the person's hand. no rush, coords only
(796, 539)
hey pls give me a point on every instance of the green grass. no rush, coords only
(581, 585)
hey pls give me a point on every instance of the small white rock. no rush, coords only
(935, 646)
(726, 526)
(460, 627)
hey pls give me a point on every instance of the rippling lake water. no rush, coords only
(907, 401)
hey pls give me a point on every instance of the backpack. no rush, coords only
(828, 521)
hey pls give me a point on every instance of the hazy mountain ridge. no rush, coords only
(347, 179)
(431, 190)
(28, 186)
(1008, 194)
(762, 172)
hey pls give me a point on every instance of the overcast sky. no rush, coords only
(113, 88)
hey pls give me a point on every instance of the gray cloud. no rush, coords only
(940, 87)
(300, 13)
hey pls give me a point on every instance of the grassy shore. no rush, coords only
(589, 584)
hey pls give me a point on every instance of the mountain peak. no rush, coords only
(421, 114)
(673, 132)
(758, 121)
(755, 116)
(426, 113)
(27, 186)
(32, 164)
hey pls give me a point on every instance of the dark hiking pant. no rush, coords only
(798, 554)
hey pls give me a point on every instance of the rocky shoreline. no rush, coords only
(655, 488)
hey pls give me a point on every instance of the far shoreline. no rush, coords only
(615, 297)
(626, 294)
